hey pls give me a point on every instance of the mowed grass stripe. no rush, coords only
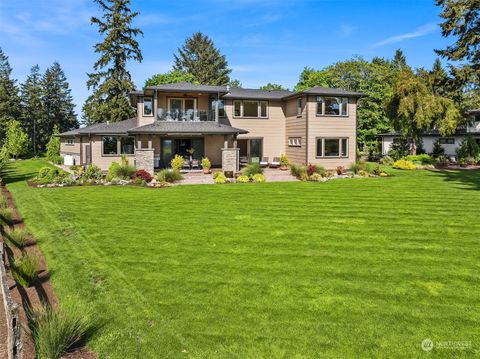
(350, 268)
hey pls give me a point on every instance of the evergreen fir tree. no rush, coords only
(10, 108)
(199, 57)
(399, 61)
(111, 82)
(57, 103)
(33, 109)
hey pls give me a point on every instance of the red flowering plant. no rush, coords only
(311, 169)
(144, 175)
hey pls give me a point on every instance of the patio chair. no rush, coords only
(186, 164)
(275, 163)
(195, 164)
(264, 162)
(243, 160)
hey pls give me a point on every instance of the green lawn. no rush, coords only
(348, 268)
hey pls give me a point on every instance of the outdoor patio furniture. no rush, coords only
(243, 160)
(195, 164)
(275, 163)
(264, 162)
(187, 164)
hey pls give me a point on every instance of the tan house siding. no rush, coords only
(104, 161)
(296, 127)
(331, 126)
(141, 119)
(271, 129)
(72, 150)
(213, 149)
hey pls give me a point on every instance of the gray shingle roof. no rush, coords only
(104, 128)
(326, 91)
(475, 111)
(433, 132)
(187, 87)
(203, 127)
(256, 94)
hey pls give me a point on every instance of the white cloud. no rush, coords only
(421, 31)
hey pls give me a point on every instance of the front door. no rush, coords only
(166, 152)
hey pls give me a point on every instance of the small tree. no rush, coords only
(438, 149)
(16, 141)
(53, 146)
(272, 87)
(469, 149)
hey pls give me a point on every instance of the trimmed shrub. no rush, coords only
(92, 173)
(284, 161)
(340, 170)
(112, 171)
(311, 169)
(47, 175)
(169, 175)
(216, 174)
(6, 215)
(177, 162)
(55, 331)
(386, 160)
(258, 178)
(19, 237)
(438, 150)
(77, 170)
(298, 171)
(468, 150)
(404, 165)
(355, 167)
(252, 169)
(206, 163)
(143, 175)
(422, 159)
(315, 177)
(219, 178)
(25, 270)
(370, 167)
(243, 179)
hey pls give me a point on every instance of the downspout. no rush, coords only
(91, 152)
(306, 130)
(216, 108)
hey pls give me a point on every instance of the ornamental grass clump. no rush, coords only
(258, 178)
(124, 170)
(25, 270)
(169, 175)
(219, 178)
(252, 169)
(57, 330)
(177, 163)
(243, 179)
(6, 215)
(19, 237)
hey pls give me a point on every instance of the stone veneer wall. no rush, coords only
(230, 159)
(144, 160)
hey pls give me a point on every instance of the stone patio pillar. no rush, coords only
(230, 160)
(144, 159)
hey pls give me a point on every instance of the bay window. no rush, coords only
(250, 108)
(332, 147)
(332, 106)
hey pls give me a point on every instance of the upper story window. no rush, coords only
(147, 106)
(250, 108)
(70, 142)
(332, 106)
(299, 106)
(221, 107)
(118, 145)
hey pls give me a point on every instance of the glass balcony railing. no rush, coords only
(185, 116)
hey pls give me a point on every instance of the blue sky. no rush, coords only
(264, 40)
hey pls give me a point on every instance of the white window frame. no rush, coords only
(259, 109)
(144, 114)
(294, 142)
(339, 100)
(340, 146)
(70, 142)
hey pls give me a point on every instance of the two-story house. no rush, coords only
(227, 125)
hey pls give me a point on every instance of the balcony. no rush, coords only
(185, 116)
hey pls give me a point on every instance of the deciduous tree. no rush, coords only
(16, 141)
(171, 77)
(273, 87)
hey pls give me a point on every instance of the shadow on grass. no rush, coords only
(469, 178)
(11, 173)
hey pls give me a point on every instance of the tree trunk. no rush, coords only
(414, 146)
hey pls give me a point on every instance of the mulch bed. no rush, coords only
(37, 295)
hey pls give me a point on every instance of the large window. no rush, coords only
(118, 145)
(147, 106)
(332, 106)
(250, 108)
(332, 147)
(221, 107)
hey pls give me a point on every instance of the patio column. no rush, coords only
(225, 141)
(230, 158)
(234, 141)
